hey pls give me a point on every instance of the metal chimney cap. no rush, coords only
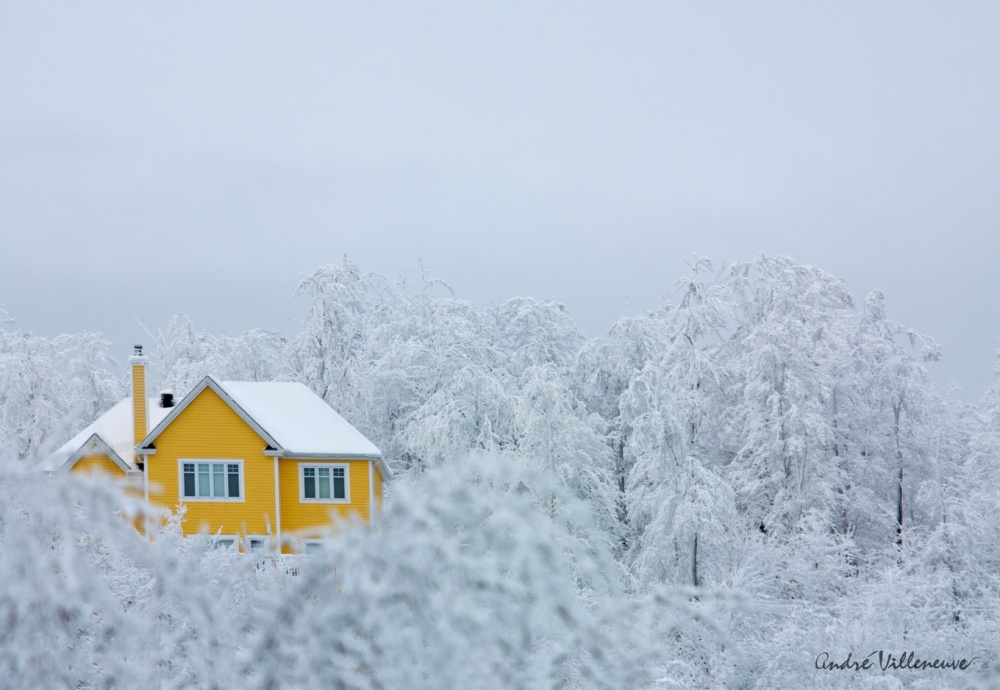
(138, 350)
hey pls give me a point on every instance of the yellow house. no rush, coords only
(261, 463)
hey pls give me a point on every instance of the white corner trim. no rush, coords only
(145, 496)
(277, 502)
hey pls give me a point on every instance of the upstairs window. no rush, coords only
(212, 481)
(324, 483)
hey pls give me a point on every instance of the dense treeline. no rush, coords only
(762, 438)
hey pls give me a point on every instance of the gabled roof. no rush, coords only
(95, 445)
(114, 429)
(292, 420)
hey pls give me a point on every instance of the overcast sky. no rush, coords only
(202, 156)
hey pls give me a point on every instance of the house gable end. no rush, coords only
(208, 426)
(95, 446)
(208, 433)
(147, 444)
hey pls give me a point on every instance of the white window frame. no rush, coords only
(264, 543)
(331, 465)
(224, 541)
(208, 542)
(209, 499)
(318, 545)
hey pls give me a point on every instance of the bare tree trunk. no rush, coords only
(622, 497)
(694, 561)
(897, 411)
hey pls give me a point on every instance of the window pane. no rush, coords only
(309, 482)
(234, 481)
(203, 483)
(188, 480)
(324, 482)
(219, 480)
(339, 483)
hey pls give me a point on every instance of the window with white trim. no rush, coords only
(212, 480)
(324, 483)
(313, 546)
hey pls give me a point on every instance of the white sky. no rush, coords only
(202, 156)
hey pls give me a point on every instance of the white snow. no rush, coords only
(115, 428)
(298, 419)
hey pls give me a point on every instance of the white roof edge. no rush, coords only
(224, 394)
(81, 452)
(158, 429)
(113, 427)
(207, 382)
(330, 456)
(219, 388)
(377, 459)
(384, 466)
(298, 420)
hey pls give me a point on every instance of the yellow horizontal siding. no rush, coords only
(139, 427)
(90, 464)
(100, 464)
(378, 491)
(208, 429)
(306, 519)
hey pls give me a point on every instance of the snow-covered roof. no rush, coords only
(114, 427)
(298, 419)
(289, 416)
(292, 419)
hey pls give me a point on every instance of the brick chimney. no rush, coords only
(140, 415)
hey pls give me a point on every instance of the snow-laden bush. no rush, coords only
(482, 574)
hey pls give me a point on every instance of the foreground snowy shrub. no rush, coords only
(481, 575)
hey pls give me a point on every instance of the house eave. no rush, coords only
(368, 457)
(95, 440)
(208, 382)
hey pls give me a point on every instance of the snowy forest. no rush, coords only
(755, 485)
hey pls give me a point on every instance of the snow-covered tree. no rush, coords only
(790, 335)
(49, 388)
(601, 377)
(690, 501)
(469, 581)
(682, 511)
(182, 355)
(893, 418)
